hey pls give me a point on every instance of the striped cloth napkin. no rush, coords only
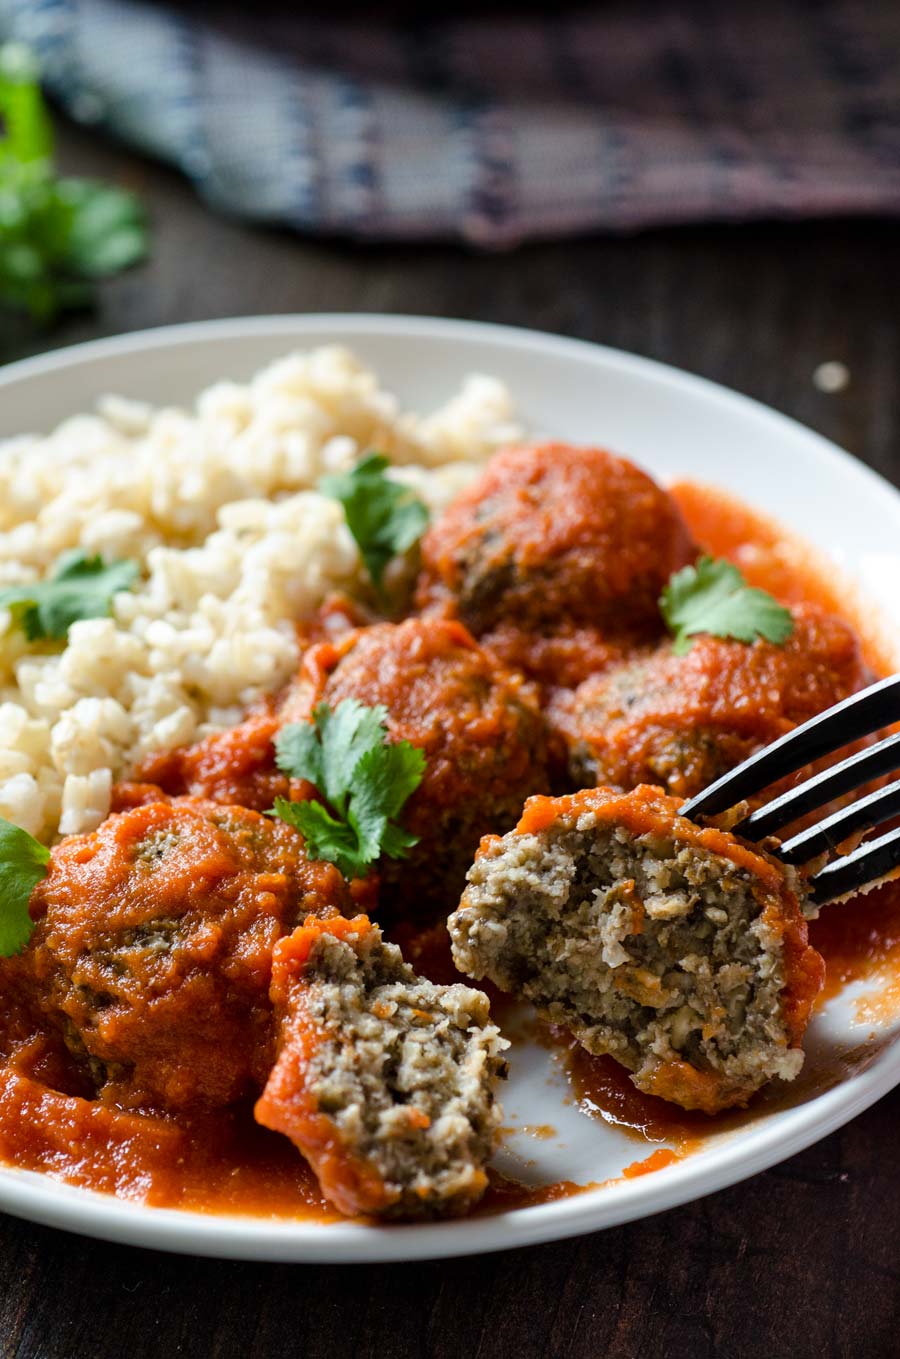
(497, 128)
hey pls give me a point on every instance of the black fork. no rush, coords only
(863, 714)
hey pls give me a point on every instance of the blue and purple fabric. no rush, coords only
(495, 129)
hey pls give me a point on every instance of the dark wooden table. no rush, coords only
(803, 1260)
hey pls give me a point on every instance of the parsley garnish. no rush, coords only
(712, 596)
(384, 517)
(364, 778)
(23, 864)
(80, 587)
(57, 235)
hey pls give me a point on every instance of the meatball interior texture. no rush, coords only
(153, 944)
(680, 951)
(479, 726)
(682, 721)
(550, 538)
(385, 1082)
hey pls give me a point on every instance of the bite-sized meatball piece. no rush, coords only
(682, 721)
(479, 727)
(153, 945)
(385, 1082)
(553, 538)
(681, 952)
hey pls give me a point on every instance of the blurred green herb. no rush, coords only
(80, 587)
(58, 236)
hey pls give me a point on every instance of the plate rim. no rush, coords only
(403, 323)
(41, 1199)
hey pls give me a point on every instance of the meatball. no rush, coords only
(385, 1082)
(479, 727)
(555, 551)
(682, 721)
(681, 952)
(153, 943)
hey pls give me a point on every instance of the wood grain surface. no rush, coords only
(803, 1260)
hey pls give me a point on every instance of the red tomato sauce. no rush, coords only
(859, 939)
(657, 1160)
(227, 1163)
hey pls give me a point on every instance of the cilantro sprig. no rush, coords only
(23, 864)
(713, 597)
(58, 236)
(384, 517)
(80, 587)
(364, 777)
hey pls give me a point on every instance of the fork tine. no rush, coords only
(873, 861)
(863, 814)
(857, 716)
(838, 779)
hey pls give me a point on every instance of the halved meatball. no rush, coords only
(679, 951)
(385, 1082)
(554, 555)
(682, 721)
(483, 737)
(153, 945)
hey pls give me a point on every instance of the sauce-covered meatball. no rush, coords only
(680, 951)
(384, 1081)
(556, 556)
(481, 732)
(153, 946)
(682, 721)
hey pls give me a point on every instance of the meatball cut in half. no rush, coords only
(682, 721)
(478, 726)
(384, 1081)
(680, 951)
(553, 546)
(153, 947)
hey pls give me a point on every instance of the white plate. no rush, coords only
(677, 426)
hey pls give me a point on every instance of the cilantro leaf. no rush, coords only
(298, 753)
(365, 779)
(384, 517)
(23, 864)
(713, 597)
(328, 752)
(57, 235)
(346, 735)
(326, 837)
(80, 587)
(396, 841)
(387, 776)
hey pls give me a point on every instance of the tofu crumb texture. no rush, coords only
(677, 951)
(386, 1082)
